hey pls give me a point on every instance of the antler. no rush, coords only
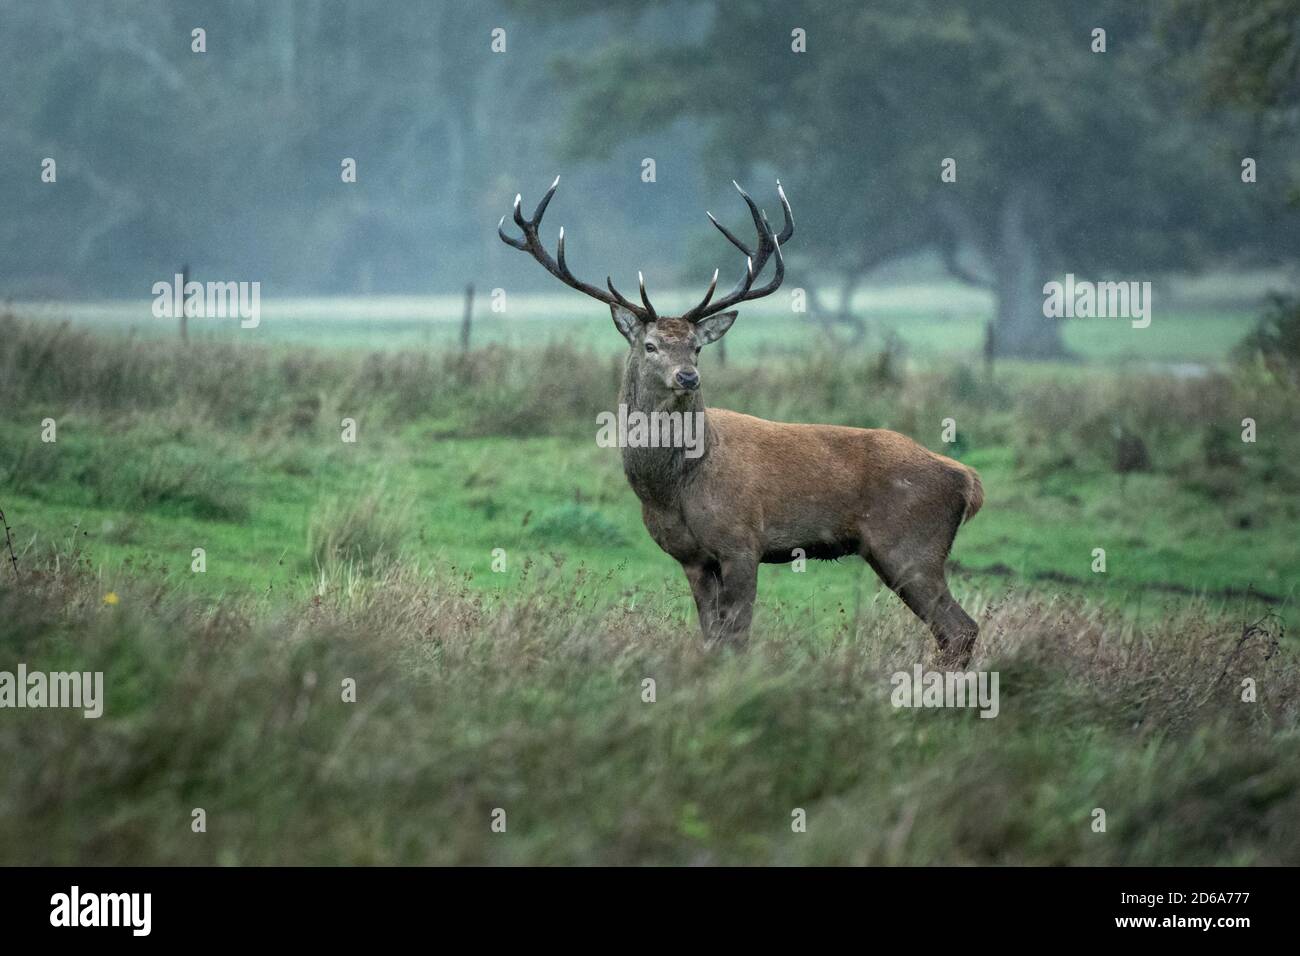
(768, 245)
(532, 245)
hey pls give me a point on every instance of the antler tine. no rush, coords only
(518, 213)
(532, 244)
(742, 286)
(754, 212)
(520, 244)
(565, 274)
(744, 291)
(769, 244)
(645, 299)
(618, 296)
(546, 200)
(730, 238)
(788, 229)
(773, 247)
(708, 296)
(778, 271)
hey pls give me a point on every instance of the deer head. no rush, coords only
(663, 361)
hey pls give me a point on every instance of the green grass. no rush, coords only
(534, 704)
(541, 499)
(484, 686)
(1191, 323)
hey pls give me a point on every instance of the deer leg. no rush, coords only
(706, 586)
(925, 592)
(739, 588)
(952, 627)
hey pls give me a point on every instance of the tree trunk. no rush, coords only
(1020, 330)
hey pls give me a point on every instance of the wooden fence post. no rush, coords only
(185, 280)
(467, 321)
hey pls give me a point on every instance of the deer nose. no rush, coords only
(687, 378)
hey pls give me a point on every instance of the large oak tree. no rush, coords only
(1068, 159)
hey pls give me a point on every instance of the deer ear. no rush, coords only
(626, 322)
(715, 326)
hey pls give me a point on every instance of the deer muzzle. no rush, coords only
(687, 378)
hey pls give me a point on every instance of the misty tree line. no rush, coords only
(1117, 162)
(230, 160)
(1119, 153)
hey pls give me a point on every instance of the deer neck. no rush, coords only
(657, 474)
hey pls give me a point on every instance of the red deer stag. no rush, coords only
(760, 491)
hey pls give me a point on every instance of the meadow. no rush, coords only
(476, 563)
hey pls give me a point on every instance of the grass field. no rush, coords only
(1198, 320)
(521, 688)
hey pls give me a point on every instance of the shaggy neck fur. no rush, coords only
(657, 474)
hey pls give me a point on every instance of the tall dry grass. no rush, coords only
(533, 704)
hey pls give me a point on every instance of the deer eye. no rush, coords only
(649, 347)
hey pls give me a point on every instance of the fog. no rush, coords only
(1001, 146)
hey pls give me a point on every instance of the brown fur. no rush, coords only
(768, 492)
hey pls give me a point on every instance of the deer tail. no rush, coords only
(974, 495)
